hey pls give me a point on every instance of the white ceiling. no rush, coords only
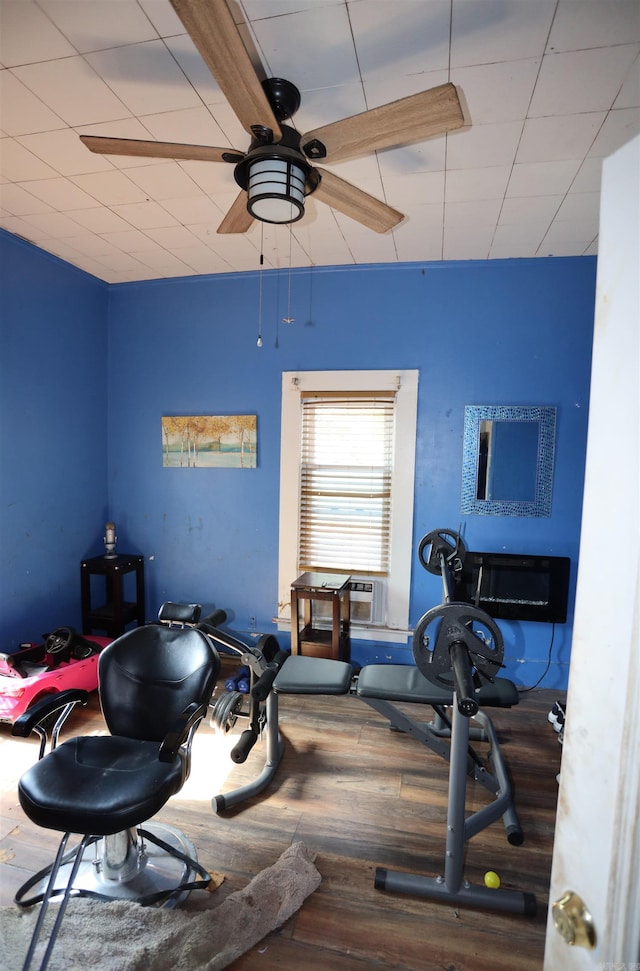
(549, 88)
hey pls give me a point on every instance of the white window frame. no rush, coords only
(398, 584)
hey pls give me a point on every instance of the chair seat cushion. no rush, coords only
(99, 785)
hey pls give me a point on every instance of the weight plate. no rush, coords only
(225, 711)
(461, 623)
(439, 542)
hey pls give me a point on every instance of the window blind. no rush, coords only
(345, 488)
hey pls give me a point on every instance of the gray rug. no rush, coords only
(122, 936)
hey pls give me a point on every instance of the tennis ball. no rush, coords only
(492, 879)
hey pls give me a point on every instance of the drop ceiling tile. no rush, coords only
(512, 249)
(422, 244)
(542, 178)
(525, 210)
(145, 215)
(495, 93)
(60, 194)
(191, 126)
(488, 31)
(597, 23)
(565, 237)
(366, 247)
(551, 139)
(519, 238)
(415, 39)
(581, 208)
(54, 224)
(580, 81)
(483, 145)
(19, 165)
(589, 176)
(17, 226)
(145, 77)
(18, 201)
(172, 237)
(166, 181)
(428, 156)
(72, 89)
(418, 189)
(22, 111)
(99, 220)
(124, 262)
(477, 216)
(130, 241)
(165, 263)
(360, 171)
(212, 178)
(195, 69)
(110, 188)
(462, 246)
(629, 96)
(401, 86)
(193, 209)
(202, 260)
(91, 245)
(321, 107)
(618, 128)
(290, 46)
(234, 134)
(65, 152)
(258, 9)
(163, 17)
(465, 186)
(99, 24)
(27, 35)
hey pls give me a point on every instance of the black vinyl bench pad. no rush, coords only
(302, 675)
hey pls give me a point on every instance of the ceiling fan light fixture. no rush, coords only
(276, 190)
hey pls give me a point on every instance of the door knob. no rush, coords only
(573, 921)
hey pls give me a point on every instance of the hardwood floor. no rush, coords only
(359, 796)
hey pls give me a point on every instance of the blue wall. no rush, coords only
(53, 426)
(499, 332)
(82, 444)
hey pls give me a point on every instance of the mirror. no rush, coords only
(507, 465)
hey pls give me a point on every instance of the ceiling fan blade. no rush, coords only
(402, 122)
(143, 149)
(353, 202)
(238, 219)
(212, 29)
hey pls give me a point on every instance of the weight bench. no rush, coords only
(384, 686)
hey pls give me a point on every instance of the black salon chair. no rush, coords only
(155, 684)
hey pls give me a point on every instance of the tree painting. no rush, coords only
(209, 441)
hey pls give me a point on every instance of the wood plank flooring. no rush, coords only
(359, 796)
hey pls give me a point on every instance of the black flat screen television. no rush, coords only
(508, 586)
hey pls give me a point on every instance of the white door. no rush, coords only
(597, 843)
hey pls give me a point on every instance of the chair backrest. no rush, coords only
(148, 676)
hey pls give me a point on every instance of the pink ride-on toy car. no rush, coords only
(65, 660)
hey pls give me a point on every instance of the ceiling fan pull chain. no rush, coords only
(289, 319)
(259, 341)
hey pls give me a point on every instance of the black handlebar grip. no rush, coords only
(465, 691)
(262, 687)
(243, 746)
(213, 620)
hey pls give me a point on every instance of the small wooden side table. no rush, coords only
(331, 643)
(116, 613)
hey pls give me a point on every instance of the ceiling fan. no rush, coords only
(278, 170)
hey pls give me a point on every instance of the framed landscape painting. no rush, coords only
(209, 441)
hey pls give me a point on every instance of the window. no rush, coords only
(346, 490)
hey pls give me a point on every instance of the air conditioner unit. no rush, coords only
(367, 599)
